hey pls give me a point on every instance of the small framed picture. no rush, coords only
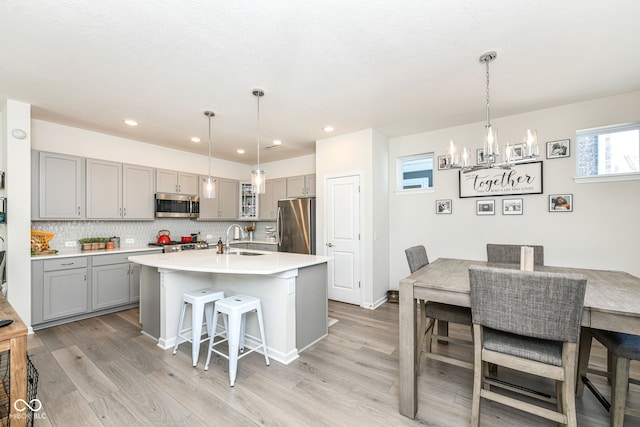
(558, 149)
(517, 151)
(443, 206)
(480, 157)
(443, 162)
(512, 207)
(561, 203)
(485, 207)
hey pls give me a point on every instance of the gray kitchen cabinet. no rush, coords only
(57, 186)
(225, 204)
(68, 289)
(301, 186)
(275, 189)
(118, 191)
(169, 181)
(114, 280)
(60, 288)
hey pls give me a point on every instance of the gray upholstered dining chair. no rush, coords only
(510, 254)
(527, 321)
(621, 349)
(437, 314)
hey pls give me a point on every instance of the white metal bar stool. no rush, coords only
(202, 302)
(235, 308)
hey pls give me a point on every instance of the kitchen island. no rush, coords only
(292, 289)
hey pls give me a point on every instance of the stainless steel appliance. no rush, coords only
(296, 226)
(176, 206)
(174, 246)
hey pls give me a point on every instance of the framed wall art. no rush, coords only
(523, 178)
(561, 203)
(512, 207)
(443, 162)
(444, 206)
(485, 207)
(558, 149)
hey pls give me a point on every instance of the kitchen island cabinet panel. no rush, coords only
(57, 186)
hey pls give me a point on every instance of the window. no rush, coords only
(611, 151)
(415, 172)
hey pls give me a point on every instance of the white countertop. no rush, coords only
(209, 261)
(71, 252)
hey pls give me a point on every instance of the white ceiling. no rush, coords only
(401, 66)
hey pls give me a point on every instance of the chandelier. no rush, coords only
(513, 153)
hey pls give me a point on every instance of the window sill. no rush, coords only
(607, 178)
(415, 191)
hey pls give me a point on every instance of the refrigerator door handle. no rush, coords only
(279, 227)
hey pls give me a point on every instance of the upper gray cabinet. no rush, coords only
(57, 186)
(169, 181)
(301, 186)
(118, 191)
(275, 189)
(224, 205)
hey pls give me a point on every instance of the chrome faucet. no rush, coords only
(226, 246)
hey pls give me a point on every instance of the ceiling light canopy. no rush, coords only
(209, 183)
(131, 122)
(257, 175)
(513, 153)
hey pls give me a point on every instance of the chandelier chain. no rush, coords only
(488, 104)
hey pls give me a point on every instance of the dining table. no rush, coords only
(612, 302)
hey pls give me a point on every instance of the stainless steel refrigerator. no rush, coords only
(296, 226)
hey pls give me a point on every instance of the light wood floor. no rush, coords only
(102, 371)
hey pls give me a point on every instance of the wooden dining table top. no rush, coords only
(609, 293)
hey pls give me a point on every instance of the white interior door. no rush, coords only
(343, 238)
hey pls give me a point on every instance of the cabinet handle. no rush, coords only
(120, 211)
(67, 263)
(85, 277)
(124, 212)
(78, 210)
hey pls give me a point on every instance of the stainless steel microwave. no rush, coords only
(177, 206)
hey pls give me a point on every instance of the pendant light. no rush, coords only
(209, 183)
(257, 175)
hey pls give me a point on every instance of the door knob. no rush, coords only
(330, 245)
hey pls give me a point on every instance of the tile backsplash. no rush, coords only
(142, 232)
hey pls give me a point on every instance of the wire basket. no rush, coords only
(5, 390)
(40, 240)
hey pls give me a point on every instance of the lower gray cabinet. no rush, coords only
(67, 289)
(64, 288)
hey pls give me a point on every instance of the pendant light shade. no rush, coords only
(257, 175)
(209, 183)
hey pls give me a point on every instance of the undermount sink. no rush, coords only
(245, 253)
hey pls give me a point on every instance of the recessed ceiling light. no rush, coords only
(328, 128)
(277, 142)
(195, 139)
(240, 151)
(130, 122)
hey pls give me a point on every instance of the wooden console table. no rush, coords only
(14, 339)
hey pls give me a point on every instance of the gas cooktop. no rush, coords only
(175, 246)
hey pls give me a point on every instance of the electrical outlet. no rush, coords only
(71, 244)
(128, 241)
(209, 236)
